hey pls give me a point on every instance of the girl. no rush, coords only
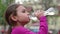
(17, 16)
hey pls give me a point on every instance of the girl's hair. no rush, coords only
(11, 10)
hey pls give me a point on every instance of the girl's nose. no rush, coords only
(28, 13)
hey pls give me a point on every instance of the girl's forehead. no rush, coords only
(21, 8)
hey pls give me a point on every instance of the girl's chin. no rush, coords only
(28, 20)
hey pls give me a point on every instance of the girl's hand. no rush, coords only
(39, 13)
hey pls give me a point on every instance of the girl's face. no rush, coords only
(22, 15)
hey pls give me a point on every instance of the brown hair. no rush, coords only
(11, 10)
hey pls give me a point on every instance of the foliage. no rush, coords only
(3, 6)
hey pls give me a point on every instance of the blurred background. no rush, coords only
(53, 20)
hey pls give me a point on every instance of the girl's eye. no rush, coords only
(23, 11)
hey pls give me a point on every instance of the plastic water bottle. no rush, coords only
(50, 11)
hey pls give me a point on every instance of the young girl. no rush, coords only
(17, 16)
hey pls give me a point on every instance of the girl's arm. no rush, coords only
(43, 28)
(43, 25)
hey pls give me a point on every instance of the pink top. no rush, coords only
(42, 30)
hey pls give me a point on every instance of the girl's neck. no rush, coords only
(18, 24)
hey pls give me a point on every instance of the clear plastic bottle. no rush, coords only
(50, 11)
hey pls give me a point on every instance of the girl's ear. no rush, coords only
(14, 18)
